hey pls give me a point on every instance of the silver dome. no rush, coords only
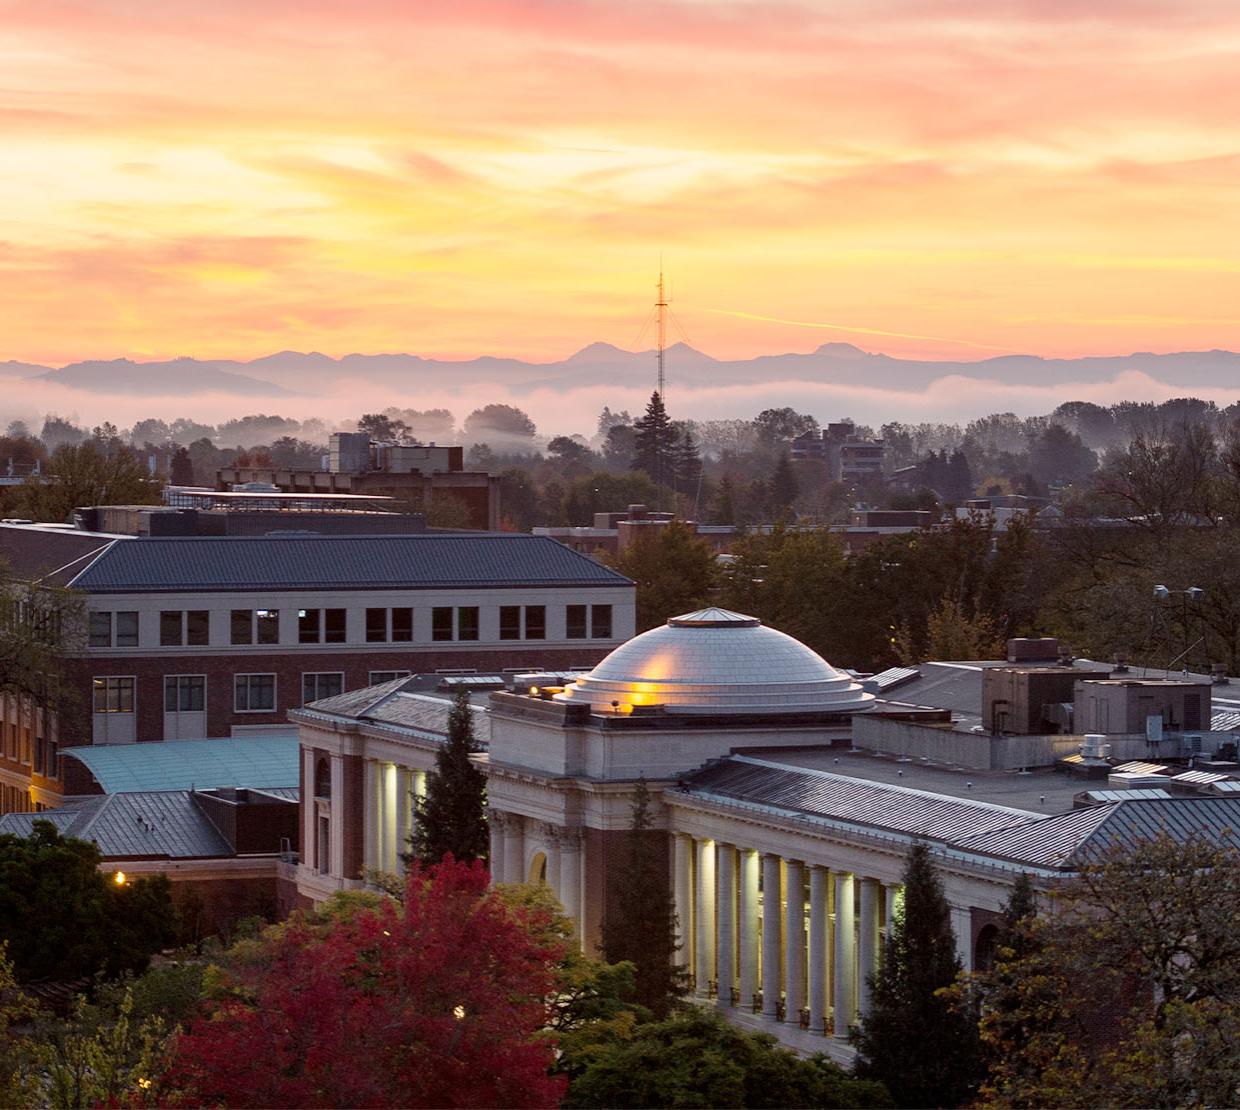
(715, 661)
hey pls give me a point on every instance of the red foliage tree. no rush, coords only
(441, 1002)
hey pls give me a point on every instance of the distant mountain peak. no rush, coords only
(841, 350)
(598, 350)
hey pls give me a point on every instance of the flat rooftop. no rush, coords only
(1041, 791)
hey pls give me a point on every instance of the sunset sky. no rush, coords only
(228, 178)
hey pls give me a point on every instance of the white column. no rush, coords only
(368, 815)
(845, 964)
(551, 837)
(390, 862)
(404, 799)
(308, 811)
(682, 893)
(514, 849)
(890, 891)
(725, 870)
(962, 926)
(571, 857)
(337, 818)
(867, 943)
(794, 937)
(818, 879)
(419, 783)
(771, 921)
(748, 930)
(495, 825)
(705, 946)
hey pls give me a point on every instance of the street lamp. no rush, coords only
(1189, 599)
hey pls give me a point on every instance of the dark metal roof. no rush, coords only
(419, 561)
(143, 825)
(822, 794)
(1050, 842)
(253, 761)
(50, 555)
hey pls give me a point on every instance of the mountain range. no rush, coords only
(295, 373)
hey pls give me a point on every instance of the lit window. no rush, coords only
(113, 695)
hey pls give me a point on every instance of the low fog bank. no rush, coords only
(568, 410)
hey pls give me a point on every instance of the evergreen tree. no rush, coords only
(450, 817)
(640, 924)
(783, 488)
(182, 469)
(688, 463)
(654, 442)
(917, 1039)
(724, 509)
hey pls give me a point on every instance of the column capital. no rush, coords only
(551, 832)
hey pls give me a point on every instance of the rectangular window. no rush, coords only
(185, 693)
(600, 622)
(467, 622)
(101, 630)
(510, 622)
(575, 622)
(39, 754)
(53, 759)
(198, 627)
(316, 686)
(334, 627)
(376, 626)
(535, 622)
(402, 625)
(254, 693)
(113, 695)
(242, 625)
(377, 677)
(308, 630)
(268, 624)
(126, 629)
(441, 623)
(170, 628)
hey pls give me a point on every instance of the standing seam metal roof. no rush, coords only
(340, 562)
(822, 794)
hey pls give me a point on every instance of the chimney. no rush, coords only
(1218, 674)
(1121, 663)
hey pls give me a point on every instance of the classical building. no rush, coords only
(784, 843)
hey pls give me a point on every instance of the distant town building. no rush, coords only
(417, 476)
(849, 457)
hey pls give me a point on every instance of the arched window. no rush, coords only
(538, 868)
(323, 779)
(984, 949)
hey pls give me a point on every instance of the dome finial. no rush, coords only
(713, 617)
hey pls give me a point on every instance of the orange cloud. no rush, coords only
(501, 176)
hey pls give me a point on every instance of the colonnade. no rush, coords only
(793, 940)
(521, 846)
(390, 792)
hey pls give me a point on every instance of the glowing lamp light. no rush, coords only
(458, 1012)
(533, 691)
(119, 878)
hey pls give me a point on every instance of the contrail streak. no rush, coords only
(857, 331)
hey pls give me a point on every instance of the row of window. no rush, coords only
(252, 693)
(393, 625)
(43, 753)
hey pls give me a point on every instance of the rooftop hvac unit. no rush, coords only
(1192, 743)
(1095, 747)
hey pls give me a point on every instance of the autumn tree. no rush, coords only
(450, 818)
(916, 1039)
(1129, 995)
(673, 569)
(436, 1001)
(640, 922)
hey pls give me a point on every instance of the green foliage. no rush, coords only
(918, 1039)
(39, 626)
(673, 569)
(63, 919)
(451, 816)
(696, 1058)
(783, 489)
(85, 474)
(640, 924)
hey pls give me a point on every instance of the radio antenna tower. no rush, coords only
(661, 310)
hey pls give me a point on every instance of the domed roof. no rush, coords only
(715, 661)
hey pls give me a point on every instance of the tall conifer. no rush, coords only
(920, 1042)
(451, 817)
(655, 441)
(640, 923)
